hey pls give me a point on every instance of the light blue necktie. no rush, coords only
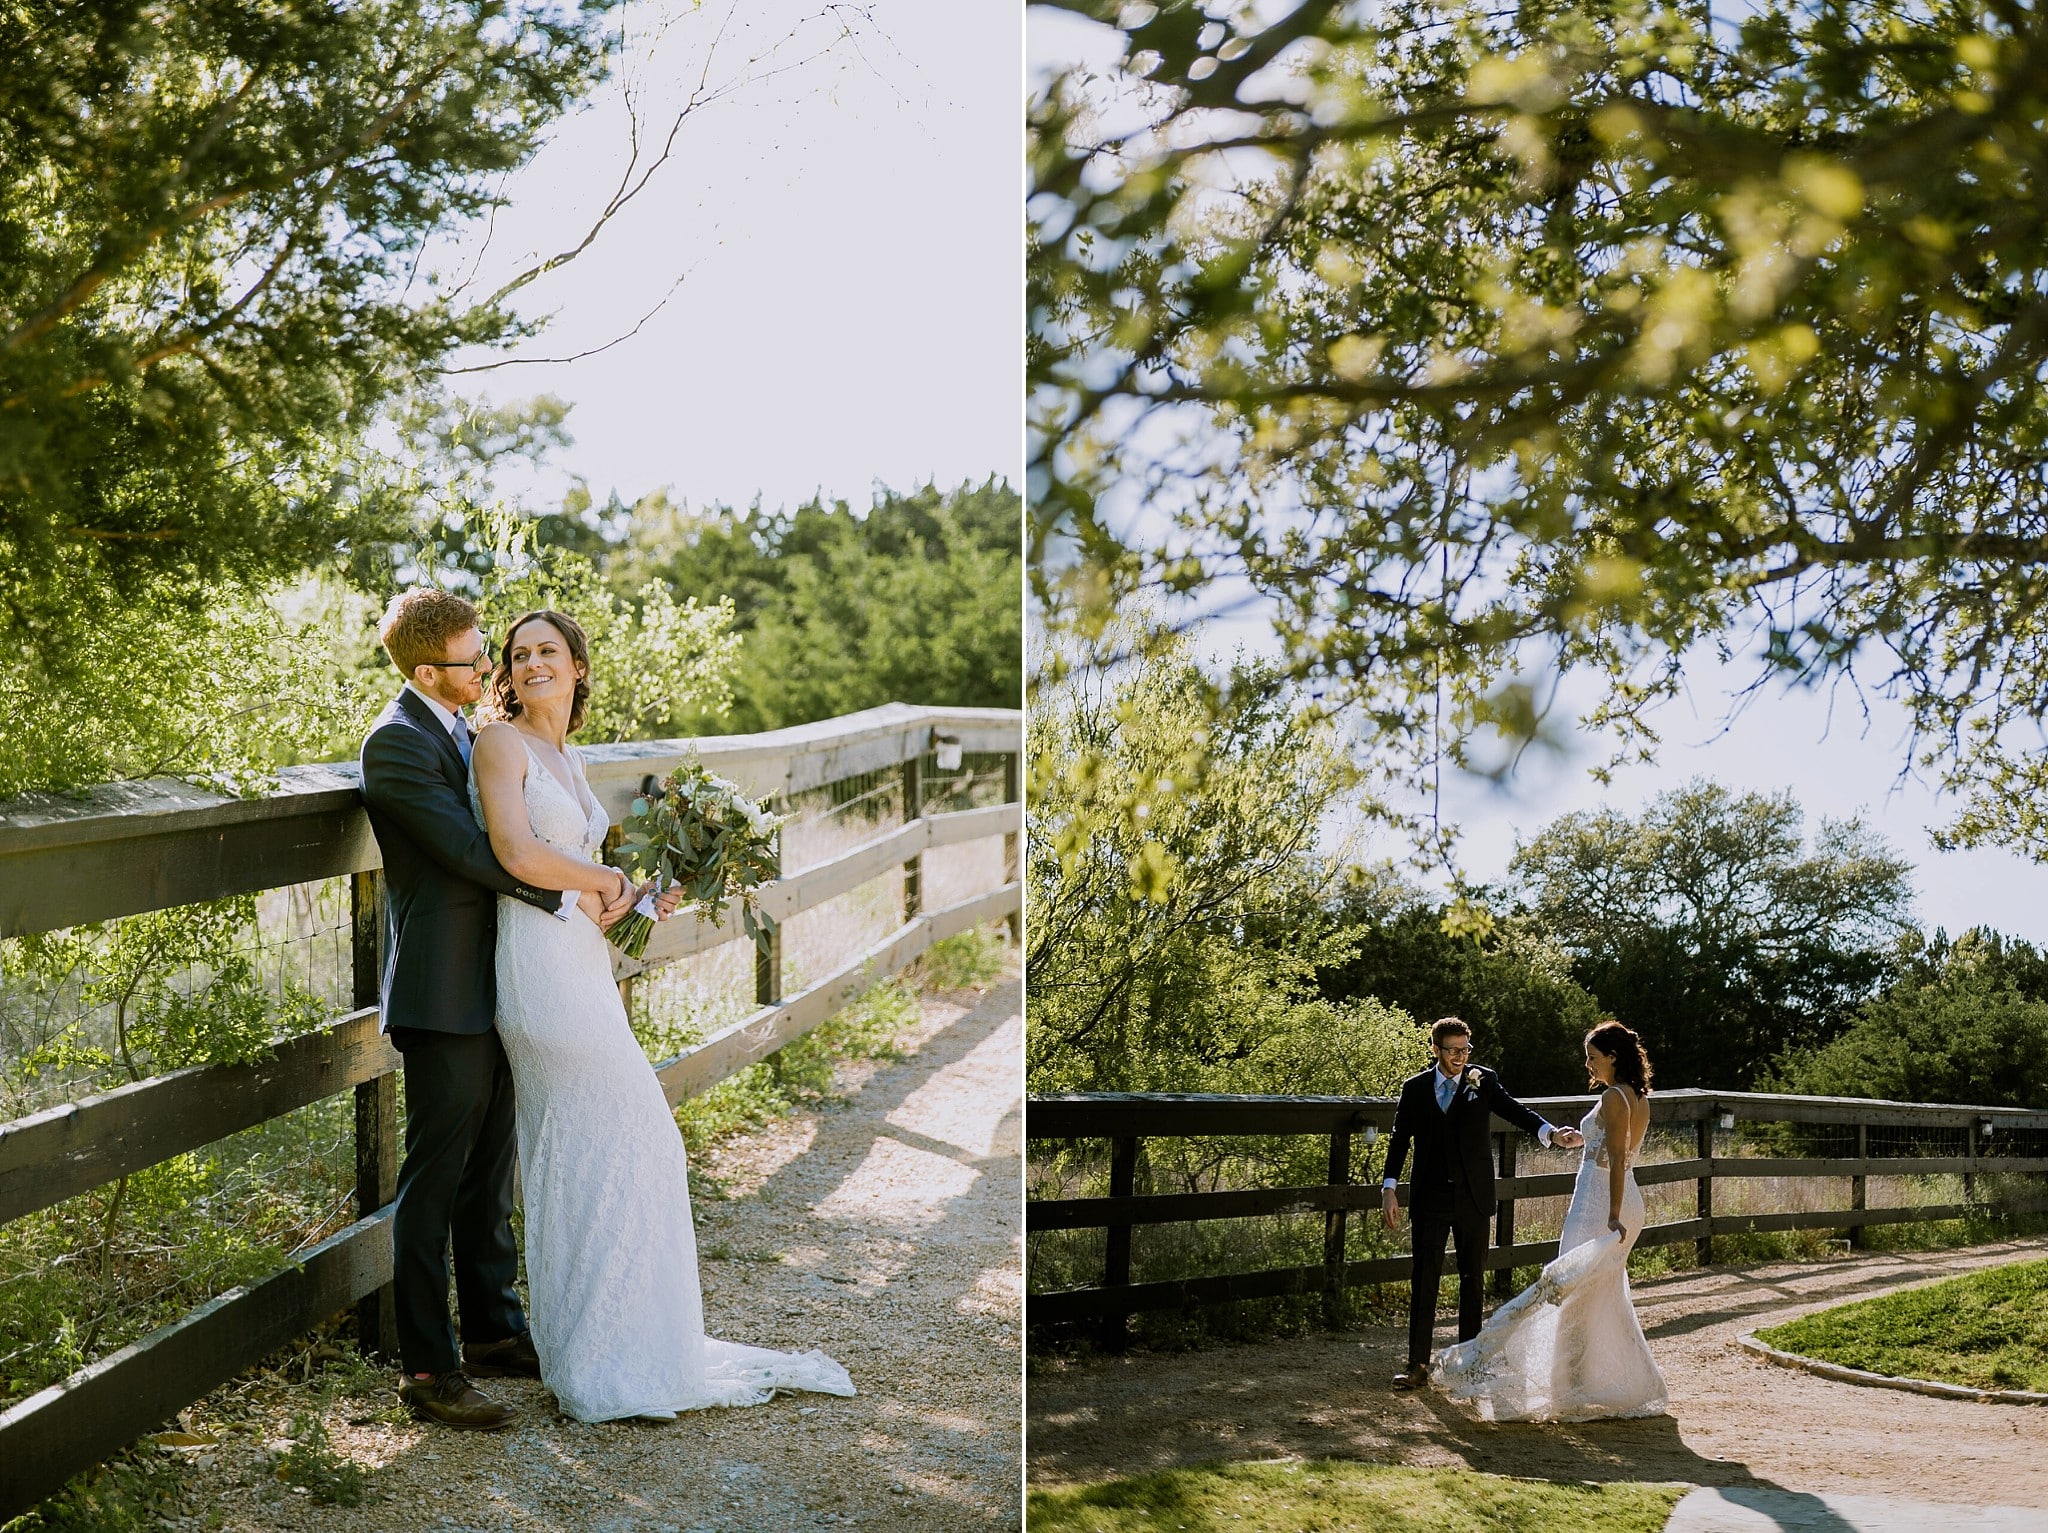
(462, 737)
(1444, 1091)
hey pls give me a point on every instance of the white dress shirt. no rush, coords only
(448, 717)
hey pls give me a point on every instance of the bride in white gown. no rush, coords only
(1569, 1347)
(611, 1251)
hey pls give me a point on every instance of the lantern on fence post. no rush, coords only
(946, 749)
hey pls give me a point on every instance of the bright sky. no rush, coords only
(1835, 762)
(850, 228)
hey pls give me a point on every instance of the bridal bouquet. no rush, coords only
(698, 831)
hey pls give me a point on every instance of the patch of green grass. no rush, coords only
(1327, 1496)
(966, 958)
(1985, 1329)
(312, 1462)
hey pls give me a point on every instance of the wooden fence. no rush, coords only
(126, 849)
(1992, 1139)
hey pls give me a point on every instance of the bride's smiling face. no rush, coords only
(541, 667)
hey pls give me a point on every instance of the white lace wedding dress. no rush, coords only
(611, 1252)
(1568, 1347)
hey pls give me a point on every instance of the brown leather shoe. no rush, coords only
(512, 1358)
(452, 1400)
(1414, 1376)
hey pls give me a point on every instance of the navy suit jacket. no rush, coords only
(1454, 1146)
(441, 880)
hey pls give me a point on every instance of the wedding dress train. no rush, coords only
(611, 1249)
(1568, 1347)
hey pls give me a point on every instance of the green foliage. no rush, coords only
(211, 216)
(795, 1076)
(965, 959)
(1966, 1022)
(1986, 1329)
(1709, 925)
(1561, 338)
(1175, 943)
(132, 1492)
(95, 1272)
(697, 829)
(1294, 1497)
(218, 694)
(650, 659)
(1512, 984)
(312, 1462)
(917, 600)
(154, 992)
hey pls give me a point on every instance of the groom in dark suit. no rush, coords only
(439, 1005)
(1446, 1113)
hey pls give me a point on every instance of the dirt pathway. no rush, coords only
(1734, 1421)
(885, 1229)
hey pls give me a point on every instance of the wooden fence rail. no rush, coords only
(1995, 1140)
(125, 849)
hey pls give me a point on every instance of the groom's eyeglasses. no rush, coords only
(481, 663)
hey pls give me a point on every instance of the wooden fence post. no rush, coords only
(1333, 1231)
(1504, 1219)
(1970, 1156)
(1703, 1248)
(1856, 1186)
(376, 1109)
(913, 808)
(1012, 870)
(1116, 1261)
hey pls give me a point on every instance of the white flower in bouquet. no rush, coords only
(698, 831)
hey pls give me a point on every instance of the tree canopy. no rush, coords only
(1176, 947)
(1489, 344)
(1966, 1021)
(1711, 925)
(1512, 983)
(212, 218)
(916, 598)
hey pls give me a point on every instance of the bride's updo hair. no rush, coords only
(1625, 1048)
(501, 702)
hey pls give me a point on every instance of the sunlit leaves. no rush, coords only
(1568, 339)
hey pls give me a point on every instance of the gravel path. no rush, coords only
(1735, 1421)
(885, 1229)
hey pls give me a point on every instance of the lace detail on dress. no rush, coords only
(611, 1248)
(1569, 1346)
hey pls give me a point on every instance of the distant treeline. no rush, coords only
(916, 598)
(1215, 944)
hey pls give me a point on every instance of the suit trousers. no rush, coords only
(455, 1186)
(1446, 1215)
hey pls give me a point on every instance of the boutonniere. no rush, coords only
(1472, 1080)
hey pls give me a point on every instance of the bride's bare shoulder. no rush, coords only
(497, 744)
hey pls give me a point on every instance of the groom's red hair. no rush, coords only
(418, 625)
